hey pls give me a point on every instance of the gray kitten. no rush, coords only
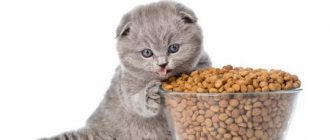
(155, 41)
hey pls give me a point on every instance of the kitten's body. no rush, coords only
(131, 107)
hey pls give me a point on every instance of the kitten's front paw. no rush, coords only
(152, 98)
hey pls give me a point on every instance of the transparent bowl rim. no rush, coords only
(291, 91)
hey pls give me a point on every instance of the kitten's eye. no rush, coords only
(173, 48)
(147, 53)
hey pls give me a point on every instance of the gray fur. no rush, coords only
(131, 108)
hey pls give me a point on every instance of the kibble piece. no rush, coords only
(227, 136)
(249, 133)
(235, 113)
(258, 133)
(263, 84)
(236, 87)
(208, 122)
(244, 88)
(272, 87)
(265, 88)
(239, 119)
(218, 83)
(256, 111)
(248, 107)
(223, 103)
(215, 119)
(242, 131)
(223, 116)
(200, 90)
(250, 88)
(209, 113)
(233, 102)
(233, 127)
(200, 118)
(257, 104)
(221, 130)
(215, 108)
(229, 121)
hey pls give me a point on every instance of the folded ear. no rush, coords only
(187, 15)
(124, 27)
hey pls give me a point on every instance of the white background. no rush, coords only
(57, 57)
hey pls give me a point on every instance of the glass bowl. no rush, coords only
(230, 116)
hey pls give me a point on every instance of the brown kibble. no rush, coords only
(288, 85)
(256, 111)
(296, 85)
(230, 90)
(208, 122)
(227, 136)
(233, 102)
(215, 108)
(215, 119)
(200, 90)
(239, 119)
(255, 83)
(248, 107)
(243, 72)
(200, 118)
(240, 82)
(223, 116)
(202, 112)
(258, 133)
(263, 84)
(209, 113)
(257, 119)
(233, 127)
(242, 131)
(218, 83)
(249, 133)
(178, 89)
(272, 87)
(244, 88)
(228, 67)
(258, 90)
(167, 86)
(264, 89)
(173, 103)
(221, 130)
(223, 103)
(257, 104)
(235, 113)
(236, 87)
(229, 121)
(250, 88)
(213, 90)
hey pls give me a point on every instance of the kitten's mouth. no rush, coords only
(163, 71)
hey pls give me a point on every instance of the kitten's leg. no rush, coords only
(147, 101)
(204, 61)
(82, 134)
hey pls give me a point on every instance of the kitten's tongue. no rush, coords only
(162, 71)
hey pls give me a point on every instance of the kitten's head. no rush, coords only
(159, 40)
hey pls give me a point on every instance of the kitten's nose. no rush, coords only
(163, 65)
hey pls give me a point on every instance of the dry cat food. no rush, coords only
(239, 116)
(229, 79)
